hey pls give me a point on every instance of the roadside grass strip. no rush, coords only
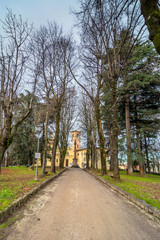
(145, 188)
(16, 181)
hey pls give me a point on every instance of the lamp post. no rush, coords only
(37, 156)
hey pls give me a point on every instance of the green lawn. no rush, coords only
(145, 188)
(15, 182)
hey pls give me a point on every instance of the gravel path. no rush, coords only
(77, 207)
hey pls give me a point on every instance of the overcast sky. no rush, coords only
(39, 11)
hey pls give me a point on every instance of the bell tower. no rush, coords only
(76, 136)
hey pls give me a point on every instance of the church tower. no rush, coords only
(76, 135)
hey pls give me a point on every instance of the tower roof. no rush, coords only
(75, 131)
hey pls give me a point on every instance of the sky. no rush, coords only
(40, 11)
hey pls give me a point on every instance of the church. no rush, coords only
(80, 153)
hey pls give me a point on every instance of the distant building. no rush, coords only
(76, 135)
(80, 153)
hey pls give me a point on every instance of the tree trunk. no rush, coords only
(2, 151)
(143, 162)
(93, 154)
(61, 160)
(153, 165)
(62, 155)
(146, 148)
(111, 152)
(151, 14)
(9, 131)
(29, 161)
(8, 161)
(96, 160)
(6, 139)
(138, 140)
(129, 150)
(115, 132)
(45, 144)
(141, 170)
(93, 146)
(101, 139)
(88, 151)
(30, 157)
(42, 143)
(1, 120)
(56, 140)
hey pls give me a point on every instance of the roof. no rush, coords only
(80, 149)
(75, 131)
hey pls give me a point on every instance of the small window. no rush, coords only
(57, 160)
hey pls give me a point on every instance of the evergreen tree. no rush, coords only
(141, 93)
(24, 142)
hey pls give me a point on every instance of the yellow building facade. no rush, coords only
(80, 153)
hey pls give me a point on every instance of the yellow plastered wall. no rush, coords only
(81, 158)
(80, 153)
(68, 158)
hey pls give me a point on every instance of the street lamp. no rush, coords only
(37, 156)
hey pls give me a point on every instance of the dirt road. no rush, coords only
(77, 207)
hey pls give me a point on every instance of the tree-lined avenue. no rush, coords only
(76, 207)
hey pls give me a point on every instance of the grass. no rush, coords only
(8, 223)
(15, 182)
(5, 225)
(145, 188)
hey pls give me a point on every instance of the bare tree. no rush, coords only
(150, 11)
(89, 127)
(65, 53)
(85, 118)
(53, 51)
(103, 21)
(66, 122)
(91, 57)
(39, 50)
(13, 59)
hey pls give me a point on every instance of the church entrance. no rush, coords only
(66, 162)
